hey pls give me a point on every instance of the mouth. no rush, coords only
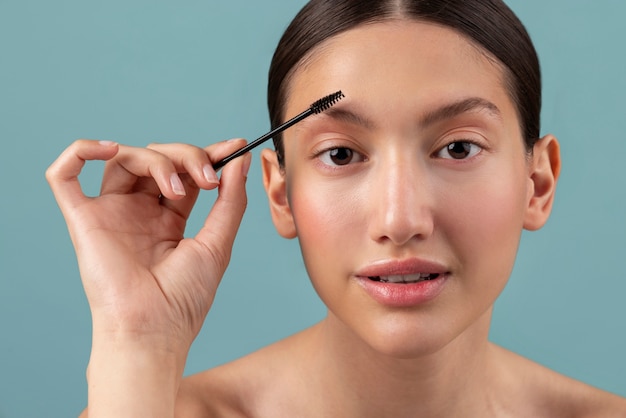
(405, 278)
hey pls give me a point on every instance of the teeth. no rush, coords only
(406, 278)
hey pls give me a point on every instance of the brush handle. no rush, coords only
(262, 139)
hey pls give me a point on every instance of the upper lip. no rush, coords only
(397, 267)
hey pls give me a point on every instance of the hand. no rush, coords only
(142, 278)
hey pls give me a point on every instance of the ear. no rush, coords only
(544, 173)
(274, 180)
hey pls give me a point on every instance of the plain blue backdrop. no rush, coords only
(195, 71)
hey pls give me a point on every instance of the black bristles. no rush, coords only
(326, 102)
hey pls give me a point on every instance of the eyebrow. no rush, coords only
(346, 115)
(448, 111)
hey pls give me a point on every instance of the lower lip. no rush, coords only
(403, 295)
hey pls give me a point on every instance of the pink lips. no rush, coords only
(395, 293)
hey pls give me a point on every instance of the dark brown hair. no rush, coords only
(490, 24)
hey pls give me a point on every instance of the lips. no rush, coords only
(403, 283)
(411, 270)
(405, 278)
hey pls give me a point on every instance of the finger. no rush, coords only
(220, 228)
(62, 175)
(183, 207)
(197, 166)
(191, 160)
(133, 168)
(198, 162)
(140, 169)
(221, 150)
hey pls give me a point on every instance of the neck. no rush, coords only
(453, 381)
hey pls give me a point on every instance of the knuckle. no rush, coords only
(50, 173)
(80, 143)
(216, 255)
(220, 256)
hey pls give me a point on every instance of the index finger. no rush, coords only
(62, 175)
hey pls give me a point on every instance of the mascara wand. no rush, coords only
(318, 107)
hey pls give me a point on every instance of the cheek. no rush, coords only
(485, 214)
(329, 227)
(483, 224)
(324, 215)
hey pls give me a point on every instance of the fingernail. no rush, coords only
(209, 174)
(177, 185)
(246, 164)
(107, 143)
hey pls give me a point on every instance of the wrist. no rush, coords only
(132, 378)
(139, 334)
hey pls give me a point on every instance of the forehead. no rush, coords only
(399, 63)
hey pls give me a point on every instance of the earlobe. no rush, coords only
(544, 173)
(274, 180)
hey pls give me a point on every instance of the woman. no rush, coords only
(408, 199)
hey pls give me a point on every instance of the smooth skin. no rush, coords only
(423, 161)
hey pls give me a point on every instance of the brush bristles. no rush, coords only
(326, 102)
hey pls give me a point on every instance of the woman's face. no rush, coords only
(409, 196)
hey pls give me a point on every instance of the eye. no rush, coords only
(340, 156)
(459, 150)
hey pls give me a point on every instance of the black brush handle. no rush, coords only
(318, 107)
(262, 139)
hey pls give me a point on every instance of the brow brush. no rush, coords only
(319, 106)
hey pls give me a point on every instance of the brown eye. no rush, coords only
(340, 156)
(459, 150)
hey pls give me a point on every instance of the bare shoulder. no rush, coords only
(209, 394)
(245, 387)
(552, 394)
(229, 390)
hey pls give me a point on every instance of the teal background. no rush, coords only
(195, 71)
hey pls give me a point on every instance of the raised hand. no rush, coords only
(148, 287)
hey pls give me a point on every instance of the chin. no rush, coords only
(403, 337)
(406, 346)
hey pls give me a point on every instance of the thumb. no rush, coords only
(220, 228)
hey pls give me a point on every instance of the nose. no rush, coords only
(402, 207)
